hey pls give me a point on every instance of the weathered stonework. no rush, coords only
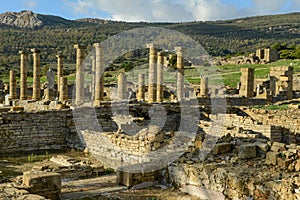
(23, 75)
(180, 73)
(152, 85)
(46, 184)
(36, 93)
(12, 85)
(80, 55)
(99, 75)
(247, 82)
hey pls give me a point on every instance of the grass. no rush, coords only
(273, 107)
(227, 75)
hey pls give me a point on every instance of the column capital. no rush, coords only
(79, 46)
(151, 45)
(98, 45)
(23, 52)
(59, 55)
(179, 49)
(34, 50)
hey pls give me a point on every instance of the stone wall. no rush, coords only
(20, 131)
(241, 124)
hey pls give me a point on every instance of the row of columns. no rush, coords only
(155, 84)
(62, 84)
(97, 71)
(157, 61)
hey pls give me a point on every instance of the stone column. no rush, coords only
(122, 87)
(63, 90)
(36, 87)
(247, 82)
(99, 78)
(60, 69)
(180, 73)
(79, 95)
(93, 61)
(23, 75)
(152, 73)
(160, 75)
(204, 87)
(12, 85)
(141, 93)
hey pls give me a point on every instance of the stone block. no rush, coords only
(284, 163)
(138, 173)
(247, 151)
(46, 184)
(271, 158)
(297, 165)
(221, 148)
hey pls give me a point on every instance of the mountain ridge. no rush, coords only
(51, 34)
(29, 19)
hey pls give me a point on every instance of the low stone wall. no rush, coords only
(20, 131)
(288, 119)
(243, 123)
(231, 101)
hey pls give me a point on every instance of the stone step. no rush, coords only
(92, 193)
(79, 189)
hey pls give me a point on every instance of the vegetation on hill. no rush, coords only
(219, 38)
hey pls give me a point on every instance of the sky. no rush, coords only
(153, 10)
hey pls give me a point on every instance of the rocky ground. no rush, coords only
(82, 178)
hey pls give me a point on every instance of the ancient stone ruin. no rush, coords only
(199, 138)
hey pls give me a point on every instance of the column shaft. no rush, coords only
(160, 74)
(79, 95)
(23, 75)
(59, 69)
(141, 90)
(99, 78)
(12, 85)
(122, 87)
(152, 89)
(180, 73)
(36, 90)
(63, 90)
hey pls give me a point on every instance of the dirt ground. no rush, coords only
(94, 187)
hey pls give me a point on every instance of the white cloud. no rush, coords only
(176, 10)
(30, 4)
(268, 6)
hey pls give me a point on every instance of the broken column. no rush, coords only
(36, 86)
(63, 90)
(60, 69)
(12, 85)
(79, 94)
(204, 87)
(160, 74)
(152, 73)
(180, 73)
(50, 87)
(99, 77)
(122, 87)
(23, 75)
(247, 82)
(141, 90)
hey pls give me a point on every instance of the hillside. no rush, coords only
(52, 33)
